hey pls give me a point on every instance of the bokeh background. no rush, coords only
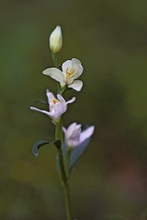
(110, 39)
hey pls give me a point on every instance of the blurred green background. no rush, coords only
(110, 39)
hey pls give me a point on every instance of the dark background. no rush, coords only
(110, 39)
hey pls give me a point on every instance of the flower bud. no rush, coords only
(74, 136)
(55, 40)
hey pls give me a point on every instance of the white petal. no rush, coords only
(72, 143)
(76, 85)
(50, 96)
(62, 102)
(74, 132)
(71, 100)
(66, 64)
(56, 113)
(39, 110)
(61, 99)
(87, 133)
(56, 74)
(76, 64)
(70, 129)
(64, 130)
(75, 61)
(79, 71)
(69, 80)
(72, 135)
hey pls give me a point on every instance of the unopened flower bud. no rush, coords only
(55, 40)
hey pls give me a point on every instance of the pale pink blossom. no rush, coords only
(56, 106)
(74, 136)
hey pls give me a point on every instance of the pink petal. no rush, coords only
(71, 100)
(42, 111)
(71, 129)
(86, 133)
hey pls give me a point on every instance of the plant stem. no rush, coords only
(67, 201)
(55, 64)
(58, 131)
(59, 136)
(64, 180)
(67, 157)
(54, 59)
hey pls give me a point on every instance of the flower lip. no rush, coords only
(70, 72)
(55, 101)
(72, 67)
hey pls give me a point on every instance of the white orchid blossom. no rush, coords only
(71, 70)
(56, 106)
(74, 136)
(55, 40)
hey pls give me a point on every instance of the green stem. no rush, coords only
(58, 131)
(59, 136)
(67, 202)
(55, 64)
(67, 157)
(61, 164)
(54, 59)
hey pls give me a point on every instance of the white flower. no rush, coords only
(56, 106)
(74, 136)
(71, 70)
(55, 40)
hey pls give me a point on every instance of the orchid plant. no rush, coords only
(70, 142)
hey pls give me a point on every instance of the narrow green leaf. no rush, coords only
(39, 144)
(77, 153)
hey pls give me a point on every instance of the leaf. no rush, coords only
(77, 153)
(42, 142)
(74, 156)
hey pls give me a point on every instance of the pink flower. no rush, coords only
(56, 106)
(74, 136)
